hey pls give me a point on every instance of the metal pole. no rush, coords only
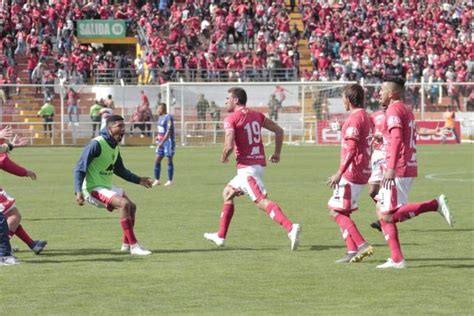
(61, 96)
(122, 83)
(422, 88)
(316, 132)
(182, 115)
(303, 111)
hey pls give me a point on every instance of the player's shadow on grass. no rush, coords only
(69, 219)
(325, 247)
(111, 256)
(124, 258)
(441, 230)
(329, 247)
(226, 249)
(79, 252)
(444, 263)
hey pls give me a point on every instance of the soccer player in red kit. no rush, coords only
(401, 170)
(353, 174)
(243, 133)
(8, 203)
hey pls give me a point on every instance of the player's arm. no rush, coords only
(127, 175)
(91, 151)
(333, 181)
(229, 143)
(278, 131)
(394, 149)
(13, 168)
(6, 132)
(16, 142)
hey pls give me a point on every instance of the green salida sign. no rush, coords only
(101, 28)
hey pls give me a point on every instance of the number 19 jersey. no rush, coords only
(247, 125)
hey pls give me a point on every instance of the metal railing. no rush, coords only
(151, 76)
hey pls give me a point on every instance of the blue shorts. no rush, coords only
(167, 149)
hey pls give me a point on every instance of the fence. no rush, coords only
(151, 76)
(297, 106)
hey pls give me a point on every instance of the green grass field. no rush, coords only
(82, 271)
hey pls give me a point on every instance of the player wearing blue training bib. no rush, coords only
(165, 144)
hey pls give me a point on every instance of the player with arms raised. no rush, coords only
(401, 170)
(243, 133)
(353, 173)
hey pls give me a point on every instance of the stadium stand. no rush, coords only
(242, 40)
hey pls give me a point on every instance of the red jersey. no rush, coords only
(378, 121)
(247, 125)
(358, 128)
(11, 167)
(398, 115)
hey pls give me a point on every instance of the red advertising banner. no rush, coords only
(428, 132)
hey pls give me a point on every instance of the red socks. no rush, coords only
(414, 209)
(390, 232)
(23, 235)
(226, 217)
(125, 239)
(127, 227)
(349, 229)
(276, 214)
(350, 244)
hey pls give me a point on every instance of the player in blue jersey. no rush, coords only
(165, 144)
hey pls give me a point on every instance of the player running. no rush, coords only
(243, 133)
(353, 174)
(93, 180)
(401, 170)
(165, 144)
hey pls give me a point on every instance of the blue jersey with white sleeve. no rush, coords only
(165, 126)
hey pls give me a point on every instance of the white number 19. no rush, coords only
(253, 132)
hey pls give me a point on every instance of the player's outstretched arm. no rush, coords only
(19, 141)
(147, 182)
(31, 174)
(275, 128)
(6, 132)
(124, 173)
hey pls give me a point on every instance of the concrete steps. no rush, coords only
(305, 61)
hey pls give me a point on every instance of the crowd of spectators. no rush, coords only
(246, 39)
(243, 39)
(351, 40)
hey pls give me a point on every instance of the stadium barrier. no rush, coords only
(300, 105)
(151, 76)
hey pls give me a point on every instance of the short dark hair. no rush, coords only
(113, 118)
(400, 81)
(162, 104)
(355, 94)
(240, 94)
(396, 84)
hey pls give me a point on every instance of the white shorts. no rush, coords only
(7, 203)
(345, 196)
(249, 181)
(101, 197)
(378, 169)
(389, 200)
